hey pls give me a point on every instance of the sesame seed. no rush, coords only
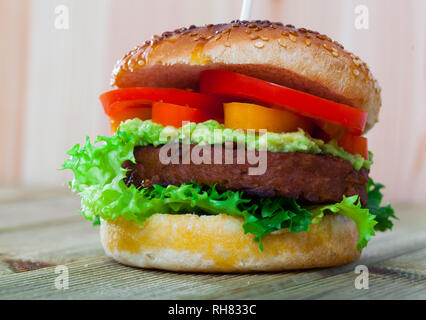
(335, 53)
(253, 36)
(355, 72)
(227, 44)
(308, 42)
(259, 45)
(326, 46)
(264, 38)
(292, 37)
(282, 42)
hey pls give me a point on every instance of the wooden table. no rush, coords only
(40, 229)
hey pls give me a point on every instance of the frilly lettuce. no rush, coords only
(351, 208)
(383, 214)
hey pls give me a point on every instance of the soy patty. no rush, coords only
(307, 178)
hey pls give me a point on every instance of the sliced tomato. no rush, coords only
(175, 115)
(251, 116)
(230, 84)
(141, 95)
(354, 144)
(143, 113)
(333, 131)
(117, 108)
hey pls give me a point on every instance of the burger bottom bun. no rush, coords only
(209, 243)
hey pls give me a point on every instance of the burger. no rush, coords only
(235, 147)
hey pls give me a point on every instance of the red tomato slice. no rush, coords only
(208, 103)
(333, 131)
(230, 84)
(354, 144)
(174, 115)
(122, 111)
(117, 108)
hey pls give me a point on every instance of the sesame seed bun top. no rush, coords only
(297, 58)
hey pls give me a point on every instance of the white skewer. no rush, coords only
(246, 10)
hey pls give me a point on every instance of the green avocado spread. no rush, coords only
(211, 132)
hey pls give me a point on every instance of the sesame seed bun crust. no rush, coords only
(297, 58)
(218, 244)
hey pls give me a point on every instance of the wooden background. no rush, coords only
(50, 79)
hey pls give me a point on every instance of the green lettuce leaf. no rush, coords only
(383, 213)
(351, 208)
(266, 215)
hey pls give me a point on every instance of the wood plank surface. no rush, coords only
(41, 229)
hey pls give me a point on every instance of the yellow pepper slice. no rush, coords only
(251, 116)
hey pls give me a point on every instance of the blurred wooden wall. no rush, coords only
(13, 66)
(51, 78)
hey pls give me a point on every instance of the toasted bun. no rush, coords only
(297, 58)
(218, 244)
